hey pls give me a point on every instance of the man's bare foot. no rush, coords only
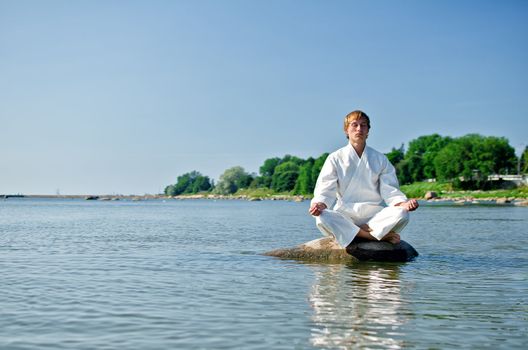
(365, 227)
(392, 237)
(364, 232)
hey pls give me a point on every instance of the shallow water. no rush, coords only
(190, 275)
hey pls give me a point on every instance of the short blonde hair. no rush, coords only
(353, 116)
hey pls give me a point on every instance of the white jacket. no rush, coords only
(357, 186)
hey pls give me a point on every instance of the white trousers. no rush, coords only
(344, 228)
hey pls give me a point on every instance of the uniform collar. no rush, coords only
(353, 152)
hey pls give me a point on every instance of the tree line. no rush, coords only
(471, 158)
(467, 158)
(287, 174)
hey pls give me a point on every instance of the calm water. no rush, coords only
(81, 274)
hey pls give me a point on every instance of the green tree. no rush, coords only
(266, 172)
(396, 155)
(304, 183)
(260, 182)
(523, 161)
(184, 181)
(232, 180)
(201, 184)
(285, 176)
(409, 169)
(318, 165)
(421, 154)
(473, 156)
(192, 182)
(495, 156)
(293, 159)
(169, 190)
(449, 162)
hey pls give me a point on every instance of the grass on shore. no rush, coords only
(261, 193)
(415, 190)
(445, 190)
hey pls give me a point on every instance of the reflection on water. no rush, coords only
(357, 306)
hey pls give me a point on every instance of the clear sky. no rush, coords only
(121, 97)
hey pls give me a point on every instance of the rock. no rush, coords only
(326, 249)
(365, 250)
(522, 203)
(502, 201)
(431, 195)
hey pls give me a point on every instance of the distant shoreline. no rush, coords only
(295, 198)
(459, 200)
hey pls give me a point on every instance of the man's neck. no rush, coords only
(359, 147)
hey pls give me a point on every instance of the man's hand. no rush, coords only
(317, 208)
(410, 205)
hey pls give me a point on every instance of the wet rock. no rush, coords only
(431, 195)
(502, 201)
(326, 249)
(365, 250)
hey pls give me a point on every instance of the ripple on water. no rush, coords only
(188, 275)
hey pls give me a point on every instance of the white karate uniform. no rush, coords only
(362, 190)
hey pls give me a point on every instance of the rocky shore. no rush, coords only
(427, 199)
(430, 198)
(433, 197)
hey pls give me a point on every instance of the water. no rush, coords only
(81, 274)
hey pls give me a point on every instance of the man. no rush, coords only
(361, 185)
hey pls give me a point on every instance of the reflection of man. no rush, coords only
(363, 185)
(358, 307)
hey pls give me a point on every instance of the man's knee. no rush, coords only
(400, 215)
(404, 214)
(402, 219)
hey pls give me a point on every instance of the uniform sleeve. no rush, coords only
(389, 187)
(326, 185)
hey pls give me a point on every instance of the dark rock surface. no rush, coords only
(431, 195)
(365, 250)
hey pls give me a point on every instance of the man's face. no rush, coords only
(357, 130)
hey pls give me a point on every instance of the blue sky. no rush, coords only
(104, 97)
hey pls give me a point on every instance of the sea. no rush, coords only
(191, 274)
